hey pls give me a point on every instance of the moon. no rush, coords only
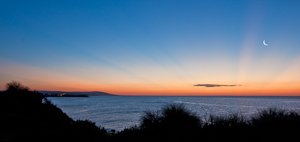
(264, 42)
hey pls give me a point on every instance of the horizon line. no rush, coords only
(182, 95)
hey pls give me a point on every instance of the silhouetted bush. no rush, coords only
(232, 120)
(173, 122)
(276, 124)
(233, 127)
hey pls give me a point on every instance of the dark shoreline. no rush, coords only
(58, 95)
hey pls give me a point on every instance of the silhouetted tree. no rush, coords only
(16, 86)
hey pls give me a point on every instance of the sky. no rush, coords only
(152, 47)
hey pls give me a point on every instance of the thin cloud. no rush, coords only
(215, 85)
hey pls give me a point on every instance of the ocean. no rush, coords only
(119, 112)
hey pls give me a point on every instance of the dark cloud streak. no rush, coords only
(215, 85)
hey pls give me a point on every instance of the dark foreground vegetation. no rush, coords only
(28, 116)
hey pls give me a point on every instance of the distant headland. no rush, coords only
(74, 94)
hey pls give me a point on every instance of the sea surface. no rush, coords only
(119, 112)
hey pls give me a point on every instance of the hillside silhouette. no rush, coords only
(28, 115)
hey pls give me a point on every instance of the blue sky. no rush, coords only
(161, 46)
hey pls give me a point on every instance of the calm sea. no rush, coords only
(118, 112)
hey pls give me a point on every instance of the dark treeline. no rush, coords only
(28, 115)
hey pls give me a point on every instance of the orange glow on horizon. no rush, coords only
(285, 84)
(190, 91)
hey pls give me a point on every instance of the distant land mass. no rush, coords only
(71, 94)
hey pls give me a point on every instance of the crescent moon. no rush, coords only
(264, 42)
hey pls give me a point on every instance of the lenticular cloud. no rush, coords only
(215, 85)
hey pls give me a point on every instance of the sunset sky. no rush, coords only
(152, 47)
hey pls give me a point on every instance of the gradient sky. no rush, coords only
(152, 47)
